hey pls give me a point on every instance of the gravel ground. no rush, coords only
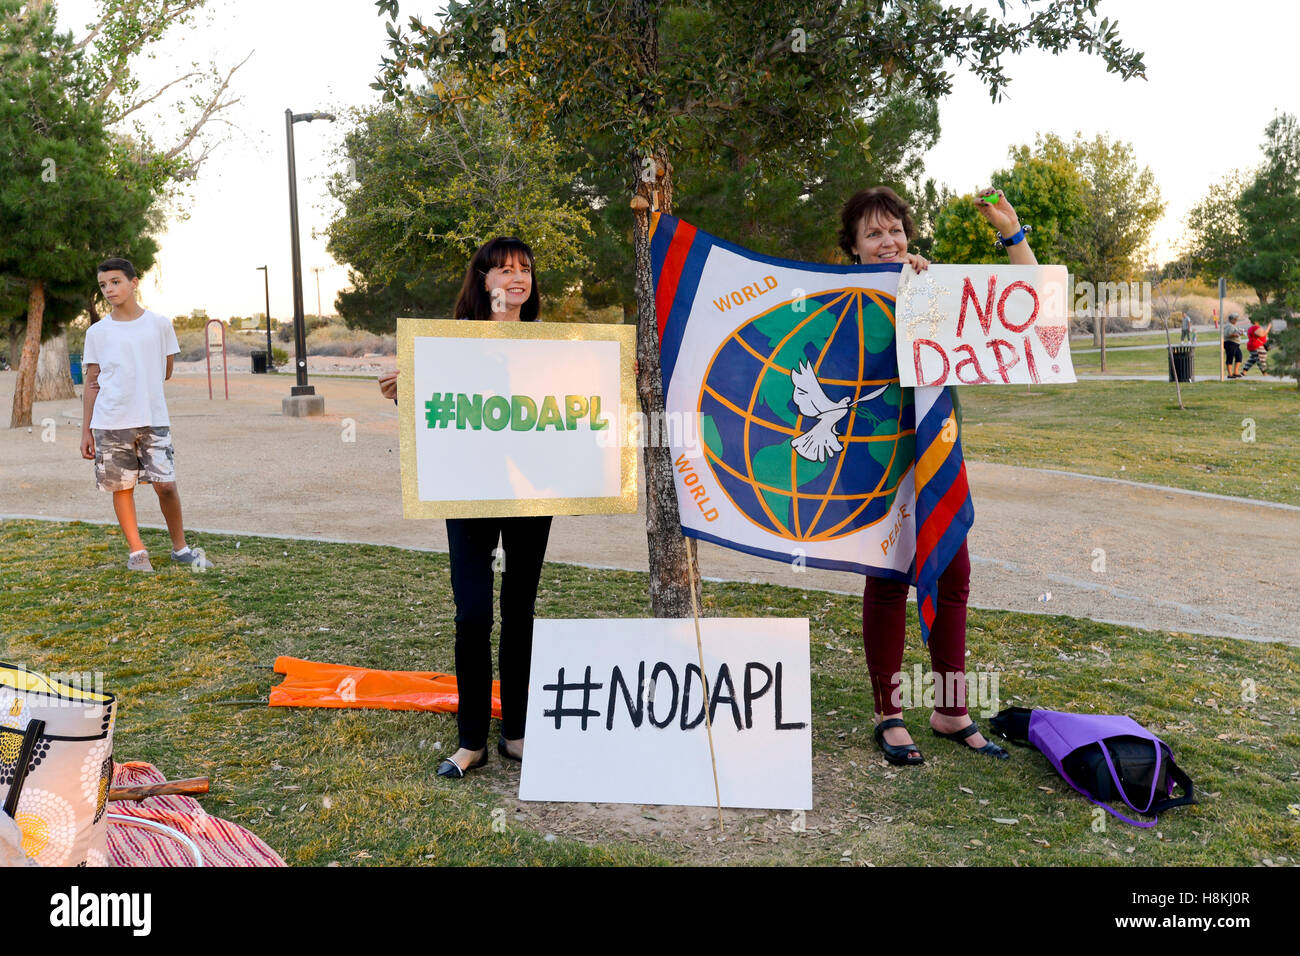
(1036, 546)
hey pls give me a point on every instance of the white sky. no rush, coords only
(1216, 76)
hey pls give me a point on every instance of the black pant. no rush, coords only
(472, 542)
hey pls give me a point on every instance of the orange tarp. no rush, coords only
(312, 684)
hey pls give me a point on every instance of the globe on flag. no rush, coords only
(755, 434)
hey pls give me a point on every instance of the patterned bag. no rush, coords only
(61, 810)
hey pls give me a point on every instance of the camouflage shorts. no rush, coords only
(124, 457)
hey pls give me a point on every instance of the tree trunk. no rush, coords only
(53, 374)
(673, 586)
(671, 580)
(25, 389)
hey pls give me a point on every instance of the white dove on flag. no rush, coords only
(821, 441)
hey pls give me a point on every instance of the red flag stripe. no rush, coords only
(674, 259)
(939, 520)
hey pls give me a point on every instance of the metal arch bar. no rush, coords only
(163, 829)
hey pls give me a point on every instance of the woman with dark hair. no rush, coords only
(876, 225)
(499, 287)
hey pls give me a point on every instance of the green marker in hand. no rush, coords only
(991, 197)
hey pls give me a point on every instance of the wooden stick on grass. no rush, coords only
(191, 786)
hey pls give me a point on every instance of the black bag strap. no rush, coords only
(33, 733)
(1185, 782)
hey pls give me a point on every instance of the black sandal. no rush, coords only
(505, 752)
(959, 736)
(449, 767)
(898, 755)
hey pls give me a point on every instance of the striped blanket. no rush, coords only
(221, 842)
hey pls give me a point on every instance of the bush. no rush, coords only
(1083, 324)
(339, 340)
(279, 356)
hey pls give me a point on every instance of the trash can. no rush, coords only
(74, 366)
(259, 362)
(1181, 364)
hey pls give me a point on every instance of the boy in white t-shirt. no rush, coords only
(127, 356)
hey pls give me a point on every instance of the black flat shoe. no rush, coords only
(449, 767)
(959, 736)
(902, 756)
(503, 751)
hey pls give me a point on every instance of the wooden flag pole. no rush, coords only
(699, 647)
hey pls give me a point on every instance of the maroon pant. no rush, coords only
(884, 618)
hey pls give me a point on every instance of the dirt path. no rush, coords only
(1172, 560)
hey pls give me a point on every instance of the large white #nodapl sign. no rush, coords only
(616, 712)
(983, 325)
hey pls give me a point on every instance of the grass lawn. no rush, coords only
(1154, 336)
(357, 787)
(1099, 427)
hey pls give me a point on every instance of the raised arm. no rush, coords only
(1002, 217)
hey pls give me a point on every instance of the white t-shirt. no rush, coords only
(132, 360)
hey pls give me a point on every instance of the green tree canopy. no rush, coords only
(1216, 236)
(1090, 204)
(1122, 203)
(785, 202)
(418, 197)
(1269, 208)
(69, 192)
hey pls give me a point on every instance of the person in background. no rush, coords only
(125, 429)
(1187, 327)
(1232, 346)
(1257, 345)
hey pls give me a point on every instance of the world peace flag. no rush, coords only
(799, 444)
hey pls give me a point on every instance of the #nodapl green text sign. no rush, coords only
(518, 412)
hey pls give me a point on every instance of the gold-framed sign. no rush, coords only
(502, 419)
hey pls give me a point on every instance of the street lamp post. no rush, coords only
(302, 399)
(266, 284)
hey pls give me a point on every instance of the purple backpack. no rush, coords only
(1104, 757)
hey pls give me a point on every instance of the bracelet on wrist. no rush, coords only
(1004, 242)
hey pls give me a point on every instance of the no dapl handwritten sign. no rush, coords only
(616, 712)
(983, 325)
(515, 418)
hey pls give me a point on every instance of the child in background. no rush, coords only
(125, 429)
